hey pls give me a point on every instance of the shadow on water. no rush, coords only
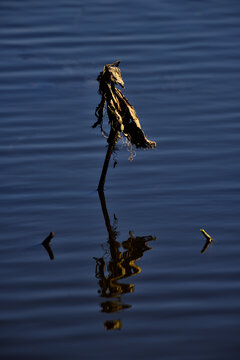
(119, 264)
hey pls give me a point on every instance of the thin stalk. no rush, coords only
(112, 142)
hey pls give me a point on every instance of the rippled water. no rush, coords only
(180, 61)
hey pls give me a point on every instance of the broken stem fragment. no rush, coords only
(122, 115)
(209, 240)
(46, 245)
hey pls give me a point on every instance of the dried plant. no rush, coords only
(121, 114)
(208, 242)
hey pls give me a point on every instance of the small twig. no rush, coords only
(209, 240)
(46, 244)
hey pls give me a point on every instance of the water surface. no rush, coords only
(158, 296)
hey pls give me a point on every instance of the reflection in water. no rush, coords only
(113, 325)
(117, 265)
(46, 245)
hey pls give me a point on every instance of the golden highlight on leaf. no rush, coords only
(122, 115)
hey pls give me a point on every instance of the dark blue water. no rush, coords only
(128, 278)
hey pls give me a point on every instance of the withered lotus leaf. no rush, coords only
(122, 115)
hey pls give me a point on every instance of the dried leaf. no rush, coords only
(122, 115)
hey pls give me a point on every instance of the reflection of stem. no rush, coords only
(111, 232)
(105, 212)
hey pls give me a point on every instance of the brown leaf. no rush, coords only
(122, 115)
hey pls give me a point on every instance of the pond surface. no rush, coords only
(124, 275)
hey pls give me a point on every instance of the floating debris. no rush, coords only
(209, 240)
(46, 245)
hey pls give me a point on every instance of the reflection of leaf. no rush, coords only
(209, 240)
(119, 265)
(113, 306)
(122, 115)
(135, 246)
(113, 324)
